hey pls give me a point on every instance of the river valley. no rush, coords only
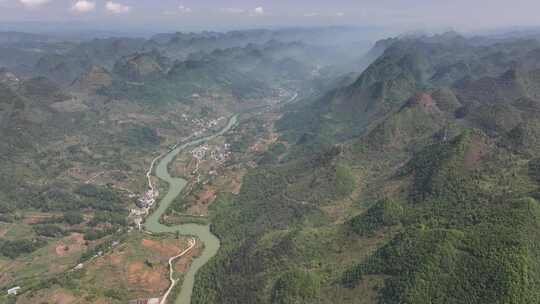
(202, 232)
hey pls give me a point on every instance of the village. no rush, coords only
(143, 206)
(146, 201)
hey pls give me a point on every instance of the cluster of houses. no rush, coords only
(148, 199)
(220, 154)
(144, 204)
(200, 152)
(203, 124)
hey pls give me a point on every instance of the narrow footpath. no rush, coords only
(192, 243)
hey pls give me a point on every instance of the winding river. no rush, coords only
(176, 185)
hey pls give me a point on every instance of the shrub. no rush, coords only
(73, 218)
(384, 213)
(296, 286)
(534, 169)
(345, 181)
(13, 249)
(49, 230)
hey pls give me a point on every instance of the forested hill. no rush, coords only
(81, 121)
(416, 183)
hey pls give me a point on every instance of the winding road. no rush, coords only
(192, 243)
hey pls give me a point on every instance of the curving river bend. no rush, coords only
(176, 185)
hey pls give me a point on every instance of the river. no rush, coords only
(202, 232)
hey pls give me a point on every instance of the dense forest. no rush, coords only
(417, 183)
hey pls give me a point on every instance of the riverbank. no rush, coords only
(192, 243)
(202, 232)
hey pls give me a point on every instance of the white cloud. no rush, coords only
(117, 8)
(258, 11)
(180, 10)
(340, 14)
(184, 10)
(83, 6)
(33, 3)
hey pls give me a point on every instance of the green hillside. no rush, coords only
(438, 138)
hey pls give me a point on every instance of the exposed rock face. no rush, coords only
(8, 78)
(96, 78)
(140, 67)
(423, 101)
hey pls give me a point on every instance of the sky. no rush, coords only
(406, 15)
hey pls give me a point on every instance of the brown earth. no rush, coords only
(145, 278)
(36, 218)
(205, 198)
(263, 144)
(63, 297)
(165, 248)
(94, 79)
(117, 258)
(56, 296)
(6, 271)
(126, 267)
(74, 243)
(236, 182)
(476, 152)
(424, 101)
(182, 264)
(71, 105)
(183, 167)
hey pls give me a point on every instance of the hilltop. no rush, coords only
(81, 121)
(408, 173)
(412, 184)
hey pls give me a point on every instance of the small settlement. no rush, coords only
(144, 204)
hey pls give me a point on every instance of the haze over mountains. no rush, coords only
(404, 170)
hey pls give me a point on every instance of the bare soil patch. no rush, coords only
(182, 264)
(61, 296)
(71, 105)
(145, 278)
(36, 218)
(165, 248)
(72, 244)
(476, 152)
(205, 198)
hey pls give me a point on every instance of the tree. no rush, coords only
(73, 217)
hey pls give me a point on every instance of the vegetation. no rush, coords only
(445, 128)
(296, 286)
(534, 169)
(445, 136)
(384, 213)
(141, 136)
(49, 230)
(73, 218)
(13, 249)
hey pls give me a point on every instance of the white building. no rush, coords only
(13, 291)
